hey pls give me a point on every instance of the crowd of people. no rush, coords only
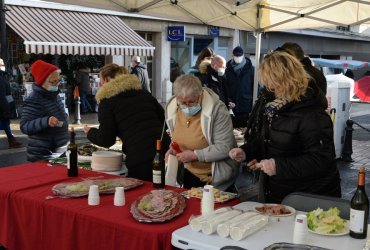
(288, 138)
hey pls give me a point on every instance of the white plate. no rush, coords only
(292, 210)
(346, 231)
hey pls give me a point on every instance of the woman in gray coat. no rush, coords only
(200, 124)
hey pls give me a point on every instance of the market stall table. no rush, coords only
(279, 229)
(29, 220)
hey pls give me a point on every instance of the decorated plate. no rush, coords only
(158, 206)
(345, 232)
(106, 186)
(220, 196)
(277, 210)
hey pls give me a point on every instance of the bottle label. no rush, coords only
(356, 223)
(68, 154)
(157, 177)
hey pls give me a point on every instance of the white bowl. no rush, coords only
(106, 161)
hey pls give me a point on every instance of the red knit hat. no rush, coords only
(41, 70)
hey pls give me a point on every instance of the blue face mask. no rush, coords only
(52, 88)
(190, 111)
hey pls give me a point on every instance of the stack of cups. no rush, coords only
(300, 229)
(119, 197)
(93, 198)
(208, 200)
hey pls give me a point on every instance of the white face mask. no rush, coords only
(221, 71)
(2, 68)
(238, 59)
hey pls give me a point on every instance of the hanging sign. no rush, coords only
(214, 31)
(176, 33)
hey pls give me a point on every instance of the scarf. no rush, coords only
(273, 107)
(237, 67)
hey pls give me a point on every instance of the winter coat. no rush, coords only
(83, 81)
(44, 142)
(210, 79)
(136, 117)
(300, 139)
(218, 131)
(141, 72)
(317, 76)
(5, 108)
(239, 85)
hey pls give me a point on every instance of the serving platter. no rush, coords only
(158, 206)
(345, 232)
(106, 186)
(275, 208)
(220, 196)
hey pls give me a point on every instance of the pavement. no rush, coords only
(359, 113)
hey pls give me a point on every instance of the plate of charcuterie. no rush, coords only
(158, 206)
(277, 210)
(106, 186)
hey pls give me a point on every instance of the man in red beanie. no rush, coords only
(43, 117)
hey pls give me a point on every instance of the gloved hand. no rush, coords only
(267, 166)
(237, 154)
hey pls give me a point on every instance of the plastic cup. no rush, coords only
(119, 197)
(93, 198)
(300, 229)
(208, 200)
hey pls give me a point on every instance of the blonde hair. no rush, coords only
(284, 75)
(187, 85)
(112, 70)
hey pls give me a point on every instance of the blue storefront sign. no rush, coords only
(214, 31)
(176, 33)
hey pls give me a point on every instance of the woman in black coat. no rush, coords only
(43, 118)
(290, 138)
(132, 114)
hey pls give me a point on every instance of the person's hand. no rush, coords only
(86, 129)
(53, 121)
(187, 156)
(237, 154)
(252, 164)
(267, 166)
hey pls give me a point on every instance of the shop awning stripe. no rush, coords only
(71, 32)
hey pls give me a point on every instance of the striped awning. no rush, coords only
(52, 31)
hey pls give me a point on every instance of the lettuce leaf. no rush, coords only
(326, 222)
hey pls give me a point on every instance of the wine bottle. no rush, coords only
(359, 209)
(72, 156)
(158, 167)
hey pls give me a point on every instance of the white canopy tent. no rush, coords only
(251, 15)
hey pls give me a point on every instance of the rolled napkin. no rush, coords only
(223, 229)
(242, 230)
(196, 222)
(210, 225)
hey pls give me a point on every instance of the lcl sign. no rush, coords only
(176, 33)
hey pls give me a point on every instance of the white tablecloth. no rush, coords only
(279, 229)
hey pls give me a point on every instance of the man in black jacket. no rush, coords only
(140, 70)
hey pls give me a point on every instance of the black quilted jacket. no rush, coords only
(300, 139)
(44, 142)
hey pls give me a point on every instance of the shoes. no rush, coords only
(13, 143)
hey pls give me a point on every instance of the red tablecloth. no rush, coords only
(29, 221)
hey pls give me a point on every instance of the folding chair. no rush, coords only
(308, 202)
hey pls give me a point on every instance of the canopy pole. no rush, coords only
(4, 46)
(256, 66)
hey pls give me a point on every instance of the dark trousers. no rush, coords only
(240, 120)
(5, 125)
